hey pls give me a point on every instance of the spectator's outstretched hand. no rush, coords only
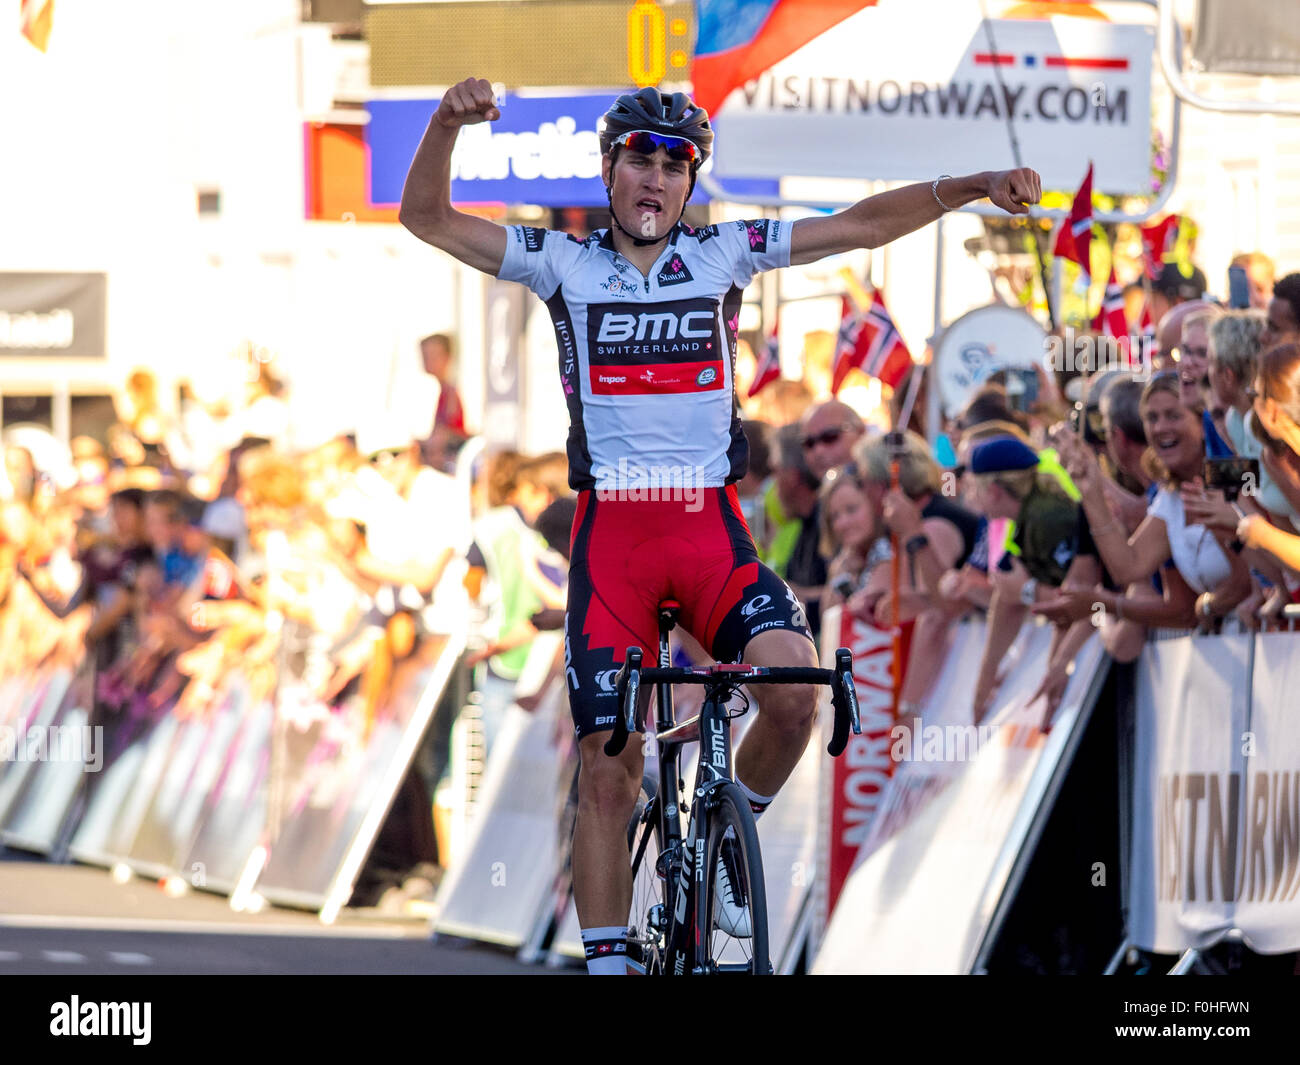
(1071, 603)
(1007, 583)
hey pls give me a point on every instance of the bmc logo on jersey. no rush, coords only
(674, 272)
(619, 334)
(533, 237)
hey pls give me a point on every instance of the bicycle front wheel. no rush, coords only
(733, 904)
(648, 919)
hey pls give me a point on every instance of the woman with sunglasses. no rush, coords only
(646, 316)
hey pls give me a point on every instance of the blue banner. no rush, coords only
(543, 150)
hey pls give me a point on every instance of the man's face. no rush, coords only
(828, 440)
(649, 191)
(1194, 364)
(1281, 327)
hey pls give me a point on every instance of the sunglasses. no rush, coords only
(826, 436)
(646, 143)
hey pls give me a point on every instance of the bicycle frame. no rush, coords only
(685, 858)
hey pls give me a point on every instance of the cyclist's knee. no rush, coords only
(609, 786)
(790, 708)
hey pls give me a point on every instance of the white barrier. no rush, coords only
(1216, 839)
(496, 890)
(951, 832)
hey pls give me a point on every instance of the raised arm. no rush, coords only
(426, 198)
(877, 220)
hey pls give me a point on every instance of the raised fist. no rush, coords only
(1015, 190)
(468, 103)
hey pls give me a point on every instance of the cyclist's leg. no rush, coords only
(756, 618)
(607, 613)
(777, 738)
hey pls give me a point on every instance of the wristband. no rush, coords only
(916, 543)
(934, 188)
(1029, 592)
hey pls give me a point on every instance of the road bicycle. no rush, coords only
(699, 903)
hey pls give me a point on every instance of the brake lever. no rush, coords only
(844, 699)
(628, 686)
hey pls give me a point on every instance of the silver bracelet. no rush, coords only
(934, 188)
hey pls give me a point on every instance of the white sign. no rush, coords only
(1216, 827)
(884, 97)
(978, 344)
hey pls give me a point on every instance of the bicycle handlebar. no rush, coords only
(844, 697)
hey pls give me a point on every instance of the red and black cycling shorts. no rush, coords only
(628, 556)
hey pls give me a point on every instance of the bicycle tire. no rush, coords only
(645, 948)
(716, 947)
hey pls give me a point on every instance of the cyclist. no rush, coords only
(646, 315)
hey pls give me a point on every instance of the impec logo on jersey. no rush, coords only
(655, 348)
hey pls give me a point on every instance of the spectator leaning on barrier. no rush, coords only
(1234, 359)
(936, 534)
(1208, 563)
(1039, 555)
(1277, 408)
(1165, 601)
(795, 552)
(852, 534)
(1194, 379)
(830, 430)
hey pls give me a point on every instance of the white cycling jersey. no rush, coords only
(647, 363)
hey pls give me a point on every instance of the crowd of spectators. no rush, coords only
(175, 550)
(1158, 492)
(195, 543)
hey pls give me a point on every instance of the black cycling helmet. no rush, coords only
(657, 112)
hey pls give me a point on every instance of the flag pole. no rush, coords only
(1015, 155)
(897, 447)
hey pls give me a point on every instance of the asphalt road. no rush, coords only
(75, 920)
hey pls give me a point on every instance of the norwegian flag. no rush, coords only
(871, 343)
(1158, 242)
(1074, 240)
(769, 363)
(1110, 320)
(886, 355)
(846, 344)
